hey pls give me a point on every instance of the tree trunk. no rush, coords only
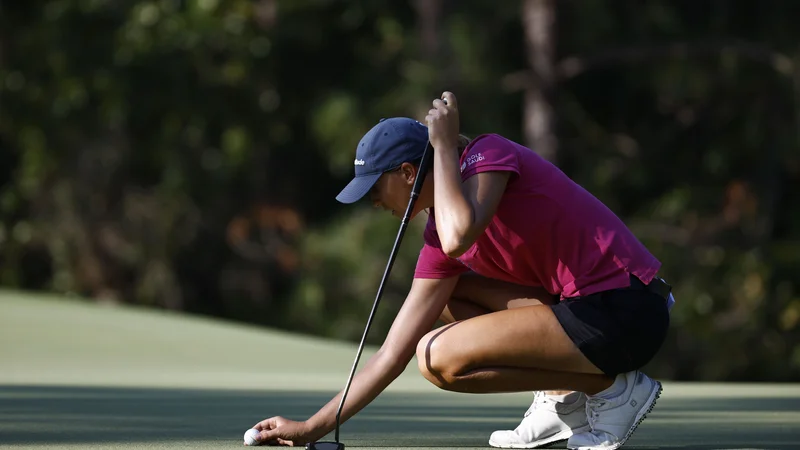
(428, 12)
(538, 20)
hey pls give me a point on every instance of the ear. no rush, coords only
(408, 172)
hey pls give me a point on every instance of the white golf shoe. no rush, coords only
(546, 421)
(612, 421)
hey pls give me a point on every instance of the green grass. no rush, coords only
(81, 375)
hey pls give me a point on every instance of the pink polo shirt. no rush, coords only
(547, 231)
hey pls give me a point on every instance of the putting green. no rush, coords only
(81, 375)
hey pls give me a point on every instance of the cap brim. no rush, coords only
(357, 188)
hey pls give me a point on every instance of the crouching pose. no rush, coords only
(541, 286)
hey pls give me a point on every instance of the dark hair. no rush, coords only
(463, 143)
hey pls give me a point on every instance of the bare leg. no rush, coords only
(520, 349)
(475, 295)
(522, 346)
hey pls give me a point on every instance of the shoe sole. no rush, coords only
(640, 416)
(558, 437)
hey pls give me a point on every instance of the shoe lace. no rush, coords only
(592, 413)
(538, 398)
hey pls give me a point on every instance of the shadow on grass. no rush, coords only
(88, 415)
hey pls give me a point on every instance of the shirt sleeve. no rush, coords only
(432, 261)
(489, 152)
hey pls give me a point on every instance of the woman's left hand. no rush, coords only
(442, 120)
(280, 431)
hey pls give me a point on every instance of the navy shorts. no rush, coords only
(618, 330)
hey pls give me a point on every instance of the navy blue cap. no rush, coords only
(387, 145)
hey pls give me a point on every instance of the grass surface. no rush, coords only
(78, 375)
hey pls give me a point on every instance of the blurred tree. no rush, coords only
(539, 18)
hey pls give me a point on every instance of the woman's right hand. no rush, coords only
(281, 431)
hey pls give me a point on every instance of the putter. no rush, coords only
(427, 156)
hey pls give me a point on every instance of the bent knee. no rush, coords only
(437, 363)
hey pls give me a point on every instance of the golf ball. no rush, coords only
(251, 437)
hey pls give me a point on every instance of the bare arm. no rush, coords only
(421, 309)
(463, 210)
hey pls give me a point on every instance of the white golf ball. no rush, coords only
(251, 437)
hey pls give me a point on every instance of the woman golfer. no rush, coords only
(542, 287)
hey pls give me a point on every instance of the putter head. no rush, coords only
(325, 446)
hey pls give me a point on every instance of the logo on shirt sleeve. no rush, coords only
(472, 159)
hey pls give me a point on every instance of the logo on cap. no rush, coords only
(359, 162)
